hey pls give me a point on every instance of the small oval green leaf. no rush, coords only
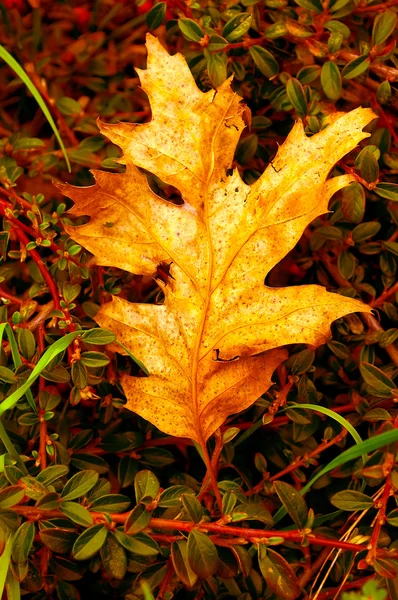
(351, 500)
(156, 15)
(331, 80)
(278, 574)
(236, 27)
(89, 542)
(202, 554)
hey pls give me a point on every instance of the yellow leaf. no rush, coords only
(212, 347)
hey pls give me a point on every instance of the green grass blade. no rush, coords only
(9, 446)
(374, 443)
(51, 352)
(246, 434)
(146, 590)
(16, 357)
(5, 562)
(16, 67)
(9, 402)
(135, 359)
(13, 587)
(370, 445)
(332, 415)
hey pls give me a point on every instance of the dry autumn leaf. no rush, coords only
(212, 346)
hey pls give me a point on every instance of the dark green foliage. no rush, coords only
(93, 500)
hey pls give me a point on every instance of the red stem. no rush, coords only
(29, 230)
(301, 460)
(10, 297)
(165, 583)
(376, 7)
(380, 520)
(52, 286)
(256, 534)
(211, 475)
(386, 120)
(11, 194)
(383, 297)
(253, 535)
(298, 462)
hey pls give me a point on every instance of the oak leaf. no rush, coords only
(212, 346)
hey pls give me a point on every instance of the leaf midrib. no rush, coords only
(201, 328)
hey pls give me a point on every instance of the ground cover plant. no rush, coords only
(276, 477)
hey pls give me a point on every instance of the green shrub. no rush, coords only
(93, 499)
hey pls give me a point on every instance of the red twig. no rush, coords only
(376, 7)
(380, 520)
(245, 44)
(252, 535)
(10, 297)
(19, 230)
(166, 441)
(214, 462)
(385, 118)
(165, 583)
(298, 462)
(302, 459)
(383, 297)
(389, 73)
(180, 5)
(11, 194)
(4, 206)
(211, 474)
(257, 534)
(52, 286)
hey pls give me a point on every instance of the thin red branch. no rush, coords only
(299, 461)
(19, 230)
(52, 286)
(8, 296)
(385, 119)
(252, 535)
(11, 194)
(302, 459)
(28, 230)
(376, 7)
(214, 462)
(380, 520)
(389, 73)
(257, 534)
(166, 580)
(182, 6)
(245, 44)
(211, 475)
(383, 297)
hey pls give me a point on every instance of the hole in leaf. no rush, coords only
(163, 272)
(164, 190)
